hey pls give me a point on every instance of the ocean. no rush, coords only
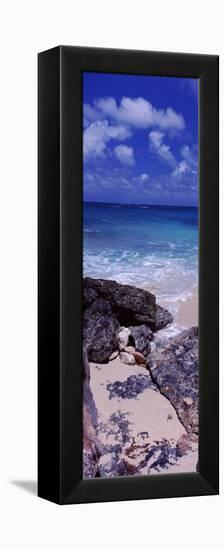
(154, 247)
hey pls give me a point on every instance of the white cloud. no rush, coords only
(190, 163)
(156, 139)
(190, 155)
(144, 177)
(182, 168)
(136, 112)
(90, 114)
(185, 151)
(160, 148)
(125, 154)
(97, 135)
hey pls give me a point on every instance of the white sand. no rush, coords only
(148, 412)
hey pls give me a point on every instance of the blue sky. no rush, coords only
(140, 139)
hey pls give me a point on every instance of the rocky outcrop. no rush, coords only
(174, 369)
(131, 305)
(108, 306)
(186, 443)
(162, 318)
(140, 337)
(100, 328)
(119, 328)
(92, 447)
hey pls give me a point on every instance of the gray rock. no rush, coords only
(163, 318)
(100, 329)
(92, 447)
(131, 305)
(90, 460)
(113, 355)
(127, 358)
(186, 443)
(122, 338)
(89, 295)
(174, 369)
(141, 337)
(88, 401)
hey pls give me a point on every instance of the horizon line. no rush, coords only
(141, 204)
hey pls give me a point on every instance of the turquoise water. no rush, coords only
(154, 247)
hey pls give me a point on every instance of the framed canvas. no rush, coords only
(128, 275)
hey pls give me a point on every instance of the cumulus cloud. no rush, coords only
(181, 168)
(125, 154)
(156, 139)
(97, 135)
(189, 164)
(190, 155)
(160, 148)
(135, 112)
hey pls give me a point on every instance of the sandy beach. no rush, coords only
(149, 413)
(187, 313)
(143, 386)
(184, 311)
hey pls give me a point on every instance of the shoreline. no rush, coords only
(183, 309)
(143, 427)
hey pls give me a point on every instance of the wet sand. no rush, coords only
(184, 311)
(187, 313)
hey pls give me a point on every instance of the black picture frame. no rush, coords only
(60, 273)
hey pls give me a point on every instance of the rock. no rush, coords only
(139, 358)
(100, 329)
(163, 318)
(188, 401)
(127, 358)
(130, 305)
(122, 338)
(129, 349)
(88, 401)
(176, 375)
(92, 447)
(141, 337)
(186, 443)
(112, 464)
(113, 355)
(89, 295)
